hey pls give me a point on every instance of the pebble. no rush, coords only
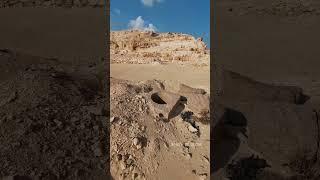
(112, 119)
(192, 129)
(135, 141)
(139, 146)
(123, 165)
(188, 156)
(180, 120)
(202, 176)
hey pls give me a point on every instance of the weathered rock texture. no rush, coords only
(138, 47)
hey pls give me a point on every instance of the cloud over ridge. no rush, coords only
(139, 24)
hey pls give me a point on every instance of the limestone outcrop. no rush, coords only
(136, 47)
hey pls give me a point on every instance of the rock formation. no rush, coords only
(137, 47)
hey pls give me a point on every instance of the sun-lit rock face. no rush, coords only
(140, 47)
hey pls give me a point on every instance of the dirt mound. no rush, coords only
(257, 122)
(161, 127)
(53, 120)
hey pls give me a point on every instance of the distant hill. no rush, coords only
(141, 47)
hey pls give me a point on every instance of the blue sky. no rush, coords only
(185, 16)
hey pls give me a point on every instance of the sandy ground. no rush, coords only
(160, 143)
(272, 42)
(54, 32)
(164, 107)
(267, 47)
(41, 43)
(197, 77)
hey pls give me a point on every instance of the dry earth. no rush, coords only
(264, 127)
(53, 119)
(263, 131)
(53, 115)
(60, 33)
(160, 116)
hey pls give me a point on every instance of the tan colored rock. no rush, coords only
(166, 104)
(146, 47)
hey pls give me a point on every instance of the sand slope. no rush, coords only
(197, 77)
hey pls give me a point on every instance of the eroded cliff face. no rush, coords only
(139, 47)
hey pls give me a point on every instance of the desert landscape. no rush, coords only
(160, 93)
(259, 119)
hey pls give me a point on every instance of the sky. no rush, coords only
(182, 16)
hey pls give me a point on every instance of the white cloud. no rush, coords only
(150, 3)
(117, 11)
(139, 24)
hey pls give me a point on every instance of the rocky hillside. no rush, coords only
(137, 47)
